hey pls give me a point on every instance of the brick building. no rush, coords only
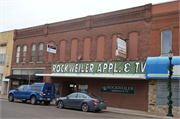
(164, 37)
(89, 45)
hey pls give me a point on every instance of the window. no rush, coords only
(72, 95)
(114, 45)
(86, 50)
(1, 77)
(24, 53)
(62, 50)
(33, 52)
(49, 89)
(83, 88)
(2, 53)
(133, 45)
(100, 48)
(81, 96)
(17, 54)
(37, 88)
(166, 41)
(73, 50)
(21, 88)
(40, 53)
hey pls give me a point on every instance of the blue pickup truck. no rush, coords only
(35, 92)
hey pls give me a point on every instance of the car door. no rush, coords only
(78, 100)
(17, 93)
(69, 102)
(24, 92)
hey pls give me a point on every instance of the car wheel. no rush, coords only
(60, 104)
(11, 98)
(33, 100)
(24, 101)
(85, 107)
(97, 110)
(46, 102)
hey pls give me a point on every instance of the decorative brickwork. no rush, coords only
(152, 107)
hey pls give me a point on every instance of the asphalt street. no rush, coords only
(17, 109)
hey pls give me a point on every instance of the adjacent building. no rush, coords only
(6, 47)
(164, 37)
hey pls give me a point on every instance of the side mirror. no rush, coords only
(16, 89)
(67, 97)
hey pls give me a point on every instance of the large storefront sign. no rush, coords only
(132, 67)
(112, 88)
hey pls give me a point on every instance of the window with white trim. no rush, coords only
(40, 53)
(24, 53)
(33, 52)
(166, 39)
(17, 54)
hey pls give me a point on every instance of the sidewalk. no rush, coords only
(128, 112)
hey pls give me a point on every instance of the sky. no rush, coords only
(19, 14)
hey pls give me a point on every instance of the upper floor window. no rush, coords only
(100, 48)
(62, 50)
(166, 37)
(40, 53)
(24, 53)
(17, 54)
(33, 52)
(73, 50)
(86, 51)
(133, 45)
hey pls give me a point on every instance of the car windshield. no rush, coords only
(93, 96)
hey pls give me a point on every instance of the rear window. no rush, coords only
(49, 89)
(38, 88)
(93, 96)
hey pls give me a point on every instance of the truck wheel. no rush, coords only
(46, 102)
(11, 98)
(33, 100)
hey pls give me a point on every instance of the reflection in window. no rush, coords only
(33, 52)
(24, 53)
(40, 53)
(166, 41)
(17, 54)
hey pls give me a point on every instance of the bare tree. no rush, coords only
(29, 75)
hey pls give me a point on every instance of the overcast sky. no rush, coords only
(18, 14)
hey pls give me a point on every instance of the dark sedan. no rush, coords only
(83, 101)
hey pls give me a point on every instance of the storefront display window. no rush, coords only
(83, 88)
(57, 87)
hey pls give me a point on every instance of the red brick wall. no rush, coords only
(165, 19)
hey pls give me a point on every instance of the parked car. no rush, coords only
(35, 92)
(83, 101)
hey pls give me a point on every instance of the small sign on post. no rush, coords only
(51, 48)
(121, 48)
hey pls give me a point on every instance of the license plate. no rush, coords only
(48, 99)
(102, 103)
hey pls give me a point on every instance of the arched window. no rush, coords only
(17, 54)
(33, 52)
(40, 53)
(166, 37)
(73, 50)
(24, 53)
(62, 50)
(86, 51)
(100, 48)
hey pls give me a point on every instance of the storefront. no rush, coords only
(157, 73)
(121, 84)
(17, 80)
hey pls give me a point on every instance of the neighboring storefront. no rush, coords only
(157, 73)
(124, 81)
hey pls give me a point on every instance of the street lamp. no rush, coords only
(170, 67)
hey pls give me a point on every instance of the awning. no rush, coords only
(113, 76)
(156, 67)
(25, 77)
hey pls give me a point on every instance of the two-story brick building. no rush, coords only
(85, 58)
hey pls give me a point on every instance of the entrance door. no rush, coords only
(68, 87)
